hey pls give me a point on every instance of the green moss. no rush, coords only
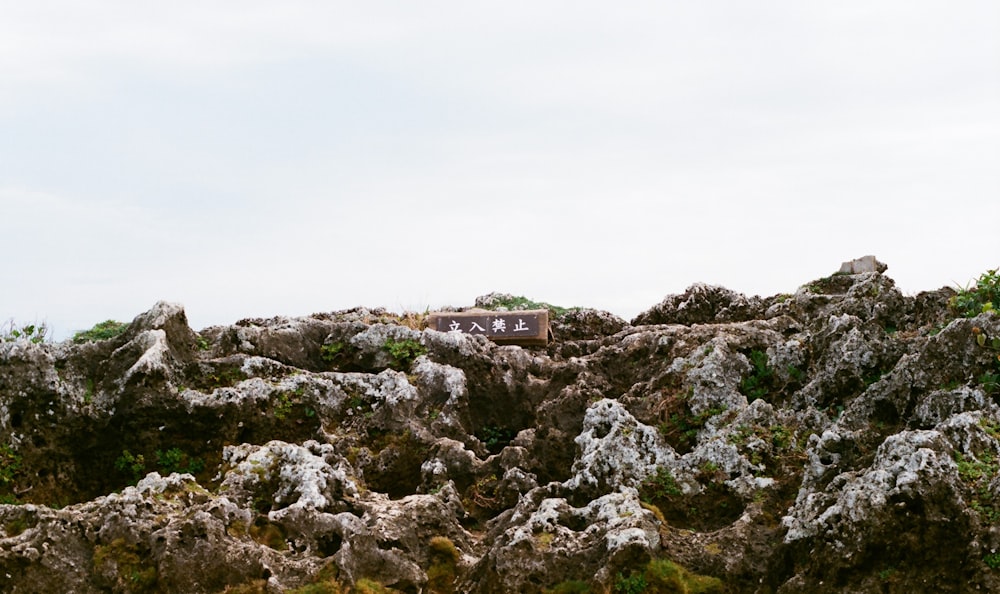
(324, 587)
(251, 587)
(367, 586)
(121, 561)
(662, 576)
(15, 526)
(630, 584)
(221, 377)
(444, 560)
(105, 330)
(977, 474)
(570, 587)
(268, 534)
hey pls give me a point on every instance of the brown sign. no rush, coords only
(529, 327)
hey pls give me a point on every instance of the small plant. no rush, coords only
(220, 377)
(15, 526)
(992, 560)
(632, 584)
(982, 297)
(102, 331)
(332, 353)
(990, 382)
(10, 465)
(661, 485)
(761, 379)
(283, 407)
(175, 460)
(991, 427)
(403, 352)
(682, 429)
(977, 475)
(133, 465)
(887, 574)
(495, 437)
(781, 437)
(33, 333)
(797, 375)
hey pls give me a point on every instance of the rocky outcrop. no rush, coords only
(841, 438)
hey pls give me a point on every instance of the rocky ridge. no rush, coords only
(843, 438)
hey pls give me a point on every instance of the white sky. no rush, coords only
(283, 158)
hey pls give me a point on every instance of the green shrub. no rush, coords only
(990, 382)
(103, 331)
(661, 485)
(761, 379)
(132, 465)
(175, 460)
(33, 333)
(495, 437)
(982, 297)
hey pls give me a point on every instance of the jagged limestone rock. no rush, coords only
(843, 437)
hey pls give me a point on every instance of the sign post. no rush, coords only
(526, 328)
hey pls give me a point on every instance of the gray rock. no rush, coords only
(839, 438)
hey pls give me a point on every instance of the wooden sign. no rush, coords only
(527, 328)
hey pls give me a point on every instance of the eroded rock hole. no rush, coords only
(329, 544)
(714, 508)
(395, 468)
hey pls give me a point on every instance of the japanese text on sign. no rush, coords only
(512, 324)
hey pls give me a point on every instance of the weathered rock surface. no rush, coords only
(843, 438)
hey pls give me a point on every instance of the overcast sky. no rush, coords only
(283, 158)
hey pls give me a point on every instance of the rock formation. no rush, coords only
(844, 438)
